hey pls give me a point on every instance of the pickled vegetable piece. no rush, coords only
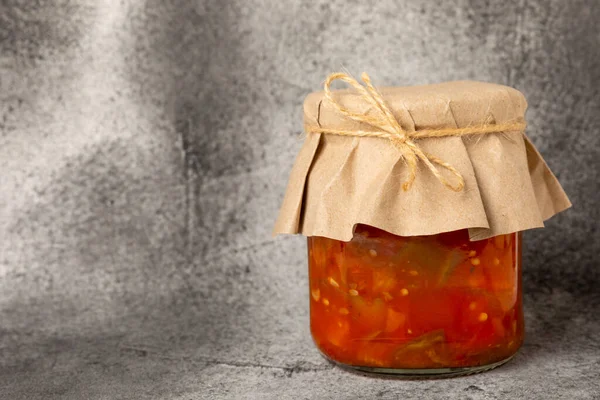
(386, 301)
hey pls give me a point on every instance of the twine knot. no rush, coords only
(400, 138)
(387, 127)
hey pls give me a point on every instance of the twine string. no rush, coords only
(387, 127)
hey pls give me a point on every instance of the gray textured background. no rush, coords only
(144, 150)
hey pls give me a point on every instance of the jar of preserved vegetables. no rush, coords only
(420, 304)
(413, 201)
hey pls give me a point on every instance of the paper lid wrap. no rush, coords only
(338, 182)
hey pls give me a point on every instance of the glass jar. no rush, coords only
(416, 306)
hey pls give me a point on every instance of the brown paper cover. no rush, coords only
(338, 182)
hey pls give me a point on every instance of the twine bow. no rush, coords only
(387, 127)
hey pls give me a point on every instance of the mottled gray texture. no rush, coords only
(144, 150)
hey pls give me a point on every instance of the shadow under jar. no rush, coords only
(437, 305)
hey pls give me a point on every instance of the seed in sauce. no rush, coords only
(353, 292)
(483, 317)
(404, 292)
(373, 253)
(316, 294)
(475, 261)
(333, 282)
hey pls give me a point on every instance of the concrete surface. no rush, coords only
(144, 150)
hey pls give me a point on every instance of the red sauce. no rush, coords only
(437, 301)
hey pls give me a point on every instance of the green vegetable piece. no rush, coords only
(453, 259)
(421, 343)
(421, 252)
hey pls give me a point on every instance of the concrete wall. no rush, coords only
(145, 147)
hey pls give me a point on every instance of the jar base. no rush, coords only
(415, 373)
